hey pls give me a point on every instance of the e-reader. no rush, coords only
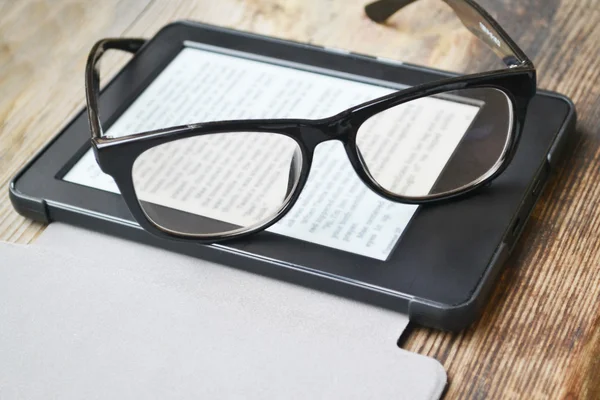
(435, 263)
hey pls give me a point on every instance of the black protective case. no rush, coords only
(444, 266)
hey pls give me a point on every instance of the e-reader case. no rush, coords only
(194, 330)
(444, 266)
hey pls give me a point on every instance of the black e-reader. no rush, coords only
(435, 263)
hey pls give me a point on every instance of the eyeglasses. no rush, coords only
(212, 181)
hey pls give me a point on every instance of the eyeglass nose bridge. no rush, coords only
(339, 128)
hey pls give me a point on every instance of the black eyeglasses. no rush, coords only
(425, 144)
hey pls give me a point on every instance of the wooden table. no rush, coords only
(540, 334)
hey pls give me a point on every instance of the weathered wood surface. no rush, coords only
(540, 334)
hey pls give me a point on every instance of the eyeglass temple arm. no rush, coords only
(475, 19)
(92, 75)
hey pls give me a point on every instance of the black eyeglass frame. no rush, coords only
(116, 156)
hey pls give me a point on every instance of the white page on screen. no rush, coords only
(335, 208)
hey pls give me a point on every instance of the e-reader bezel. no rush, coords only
(443, 266)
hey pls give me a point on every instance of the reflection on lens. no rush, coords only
(217, 183)
(434, 145)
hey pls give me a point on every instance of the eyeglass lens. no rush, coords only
(438, 144)
(217, 183)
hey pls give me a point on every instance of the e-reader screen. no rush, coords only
(335, 208)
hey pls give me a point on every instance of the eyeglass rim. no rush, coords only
(105, 148)
(482, 180)
(121, 153)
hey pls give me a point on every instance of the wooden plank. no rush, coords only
(539, 336)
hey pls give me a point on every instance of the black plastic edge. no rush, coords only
(557, 150)
(460, 316)
(27, 206)
(457, 318)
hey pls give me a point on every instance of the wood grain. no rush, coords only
(540, 334)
